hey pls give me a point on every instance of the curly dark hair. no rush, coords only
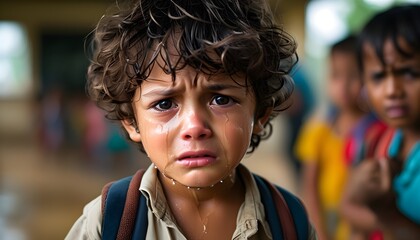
(212, 36)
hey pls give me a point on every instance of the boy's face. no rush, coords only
(195, 132)
(344, 80)
(394, 88)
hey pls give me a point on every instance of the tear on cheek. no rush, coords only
(165, 132)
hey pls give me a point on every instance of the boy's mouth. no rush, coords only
(196, 159)
(396, 111)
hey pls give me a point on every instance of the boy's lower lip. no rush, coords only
(396, 112)
(197, 161)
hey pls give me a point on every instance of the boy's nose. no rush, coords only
(394, 87)
(195, 126)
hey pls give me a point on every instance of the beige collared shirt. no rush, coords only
(251, 223)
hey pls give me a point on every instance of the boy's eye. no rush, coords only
(164, 105)
(409, 73)
(221, 100)
(377, 76)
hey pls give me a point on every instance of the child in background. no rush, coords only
(383, 192)
(195, 85)
(321, 142)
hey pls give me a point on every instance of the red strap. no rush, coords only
(373, 135)
(381, 152)
(383, 144)
(104, 194)
(283, 211)
(376, 235)
(130, 209)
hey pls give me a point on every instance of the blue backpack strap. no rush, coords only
(269, 207)
(140, 227)
(114, 195)
(285, 213)
(298, 210)
(120, 203)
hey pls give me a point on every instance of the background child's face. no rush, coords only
(344, 83)
(195, 132)
(394, 88)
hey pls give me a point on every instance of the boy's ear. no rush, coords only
(261, 121)
(132, 129)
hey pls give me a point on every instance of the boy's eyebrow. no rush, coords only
(218, 86)
(160, 92)
(171, 91)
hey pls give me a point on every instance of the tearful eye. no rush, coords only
(163, 105)
(221, 100)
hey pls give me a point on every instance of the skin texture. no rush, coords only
(183, 124)
(196, 131)
(393, 90)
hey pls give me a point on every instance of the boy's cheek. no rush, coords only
(373, 96)
(238, 133)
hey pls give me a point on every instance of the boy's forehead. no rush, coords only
(188, 74)
(339, 54)
(370, 52)
(391, 51)
(170, 55)
(165, 54)
(170, 65)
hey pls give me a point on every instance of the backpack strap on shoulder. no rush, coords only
(299, 213)
(371, 139)
(272, 216)
(289, 220)
(384, 141)
(120, 203)
(140, 227)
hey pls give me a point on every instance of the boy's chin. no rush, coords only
(203, 183)
(200, 177)
(399, 123)
(203, 180)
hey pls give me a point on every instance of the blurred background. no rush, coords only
(56, 148)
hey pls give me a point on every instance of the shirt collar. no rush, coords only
(251, 215)
(156, 200)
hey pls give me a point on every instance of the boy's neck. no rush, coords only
(411, 136)
(197, 212)
(224, 187)
(411, 133)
